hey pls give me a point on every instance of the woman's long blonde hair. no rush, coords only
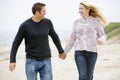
(94, 12)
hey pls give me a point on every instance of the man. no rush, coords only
(35, 31)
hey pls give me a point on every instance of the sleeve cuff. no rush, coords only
(102, 39)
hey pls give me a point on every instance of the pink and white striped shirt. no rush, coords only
(86, 34)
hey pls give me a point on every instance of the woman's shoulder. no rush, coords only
(78, 20)
(95, 19)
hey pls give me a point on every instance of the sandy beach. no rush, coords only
(107, 67)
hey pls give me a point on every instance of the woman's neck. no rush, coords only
(86, 16)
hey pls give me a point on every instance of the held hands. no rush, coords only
(62, 56)
(13, 65)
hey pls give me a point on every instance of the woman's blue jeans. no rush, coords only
(85, 62)
(43, 67)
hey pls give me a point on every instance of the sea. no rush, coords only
(6, 39)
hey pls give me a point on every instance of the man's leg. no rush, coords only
(46, 70)
(31, 69)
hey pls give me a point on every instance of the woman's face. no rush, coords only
(83, 10)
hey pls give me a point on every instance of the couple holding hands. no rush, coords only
(87, 33)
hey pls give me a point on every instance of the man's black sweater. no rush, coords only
(36, 39)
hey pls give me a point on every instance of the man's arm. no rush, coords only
(18, 39)
(55, 38)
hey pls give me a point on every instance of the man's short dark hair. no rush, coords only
(37, 7)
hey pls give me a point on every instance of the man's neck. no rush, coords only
(36, 18)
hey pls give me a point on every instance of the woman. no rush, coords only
(87, 32)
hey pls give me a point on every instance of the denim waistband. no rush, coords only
(39, 59)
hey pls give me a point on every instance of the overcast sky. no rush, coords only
(61, 12)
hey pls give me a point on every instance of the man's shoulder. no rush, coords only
(46, 19)
(26, 21)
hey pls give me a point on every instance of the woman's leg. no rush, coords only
(81, 63)
(91, 61)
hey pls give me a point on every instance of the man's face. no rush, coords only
(42, 12)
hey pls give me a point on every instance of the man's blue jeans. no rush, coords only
(43, 67)
(85, 62)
